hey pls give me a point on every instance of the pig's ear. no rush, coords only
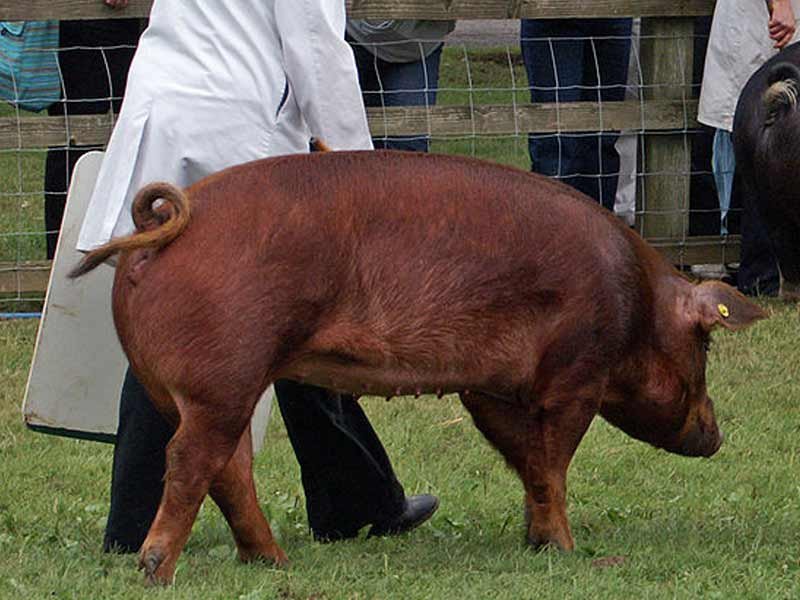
(716, 303)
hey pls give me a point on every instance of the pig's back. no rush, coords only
(405, 203)
(424, 224)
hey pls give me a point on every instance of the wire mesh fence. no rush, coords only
(611, 112)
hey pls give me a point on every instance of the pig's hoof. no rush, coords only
(149, 562)
(280, 559)
(539, 542)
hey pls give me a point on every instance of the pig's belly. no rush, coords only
(387, 381)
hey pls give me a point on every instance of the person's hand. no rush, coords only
(781, 23)
(116, 3)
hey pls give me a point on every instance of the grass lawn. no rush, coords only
(647, 524)
(21, 201)
(725, 527)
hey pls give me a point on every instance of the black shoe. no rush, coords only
(418, 510)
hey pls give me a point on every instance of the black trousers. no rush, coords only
(138, 470)
(347, 477)
(94, 61)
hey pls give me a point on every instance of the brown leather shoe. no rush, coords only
(418, 510)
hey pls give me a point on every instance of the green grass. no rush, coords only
(720, 528)
(725, 527)
(21, 201)
(477, 77)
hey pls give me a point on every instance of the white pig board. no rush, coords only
(78, 365)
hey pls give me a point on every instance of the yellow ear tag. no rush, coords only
(723, 310)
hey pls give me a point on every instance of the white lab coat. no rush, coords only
(738, 45)
(214, 84)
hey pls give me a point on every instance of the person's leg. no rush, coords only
(94, 68)
(410, 84)
(563, 65)
(367, 67)
(609, 59)
(347, 477)
(606, 54)
(59, 165)
(56, 181)
(553, 54)
(399, 84)
(94, 64)
(723, 164)
(704, 217)
(138, 469)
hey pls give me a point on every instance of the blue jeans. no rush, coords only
(398, 84)
(723, 164)
(577, 69)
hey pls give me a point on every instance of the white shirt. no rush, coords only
(214, 84)
(738, 45)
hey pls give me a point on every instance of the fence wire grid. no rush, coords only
(599, 126)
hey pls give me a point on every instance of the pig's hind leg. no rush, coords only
(234, 492)
(209, 432)
(539, 445)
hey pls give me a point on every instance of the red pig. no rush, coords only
(396, 273)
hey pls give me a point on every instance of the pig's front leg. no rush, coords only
(546, 509)
(538, 443)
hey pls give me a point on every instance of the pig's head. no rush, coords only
(658, 394)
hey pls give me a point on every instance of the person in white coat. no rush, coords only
(744, 34)
(214, 84)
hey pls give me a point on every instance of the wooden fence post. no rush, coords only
(667, 49)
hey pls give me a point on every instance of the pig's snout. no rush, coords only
(702, 441)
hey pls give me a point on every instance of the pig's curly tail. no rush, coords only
(781, 96)
(160, 212)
